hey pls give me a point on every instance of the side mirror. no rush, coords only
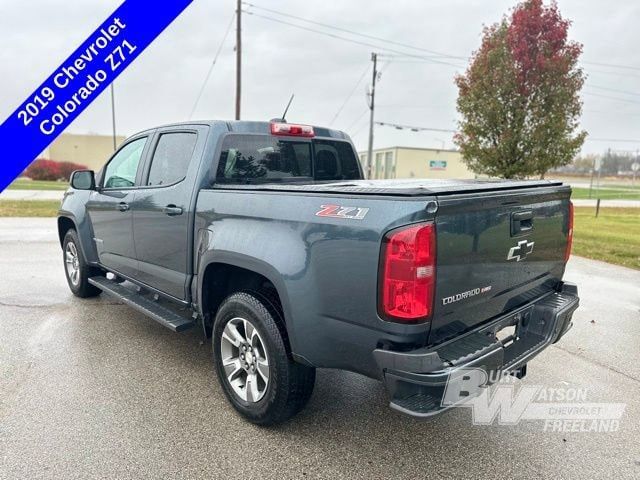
(83, 180)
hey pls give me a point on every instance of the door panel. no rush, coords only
(112, 224)
(161, 238)
(161, 214)
(109, 208)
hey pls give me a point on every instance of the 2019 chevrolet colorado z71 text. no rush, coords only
(266, 236)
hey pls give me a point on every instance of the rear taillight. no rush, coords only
(567, 252)
(408, 273)
(291, 130)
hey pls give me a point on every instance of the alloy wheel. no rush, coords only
(72, 263)
(245, 360)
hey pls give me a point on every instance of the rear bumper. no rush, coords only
(416, 380)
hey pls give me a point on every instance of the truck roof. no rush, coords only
(250, 126)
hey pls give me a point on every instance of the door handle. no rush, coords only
(172, 210)
(123, 207)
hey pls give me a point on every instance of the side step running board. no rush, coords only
(152, 309)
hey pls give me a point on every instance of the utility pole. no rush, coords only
(374, 59)
(238, 56)
(113, 117)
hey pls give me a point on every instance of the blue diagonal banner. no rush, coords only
(80, 79)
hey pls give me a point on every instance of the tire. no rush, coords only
(76, 269)
(288, 385)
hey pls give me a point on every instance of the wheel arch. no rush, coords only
(225, 273)
(67, 221)
(64, 225)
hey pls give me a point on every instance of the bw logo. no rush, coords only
(520, 251)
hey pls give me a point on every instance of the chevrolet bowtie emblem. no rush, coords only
(520, 251)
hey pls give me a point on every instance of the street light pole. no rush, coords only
(238, 56)
(374, 58)
(113, 117)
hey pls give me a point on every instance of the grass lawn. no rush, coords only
(29, 208)
(613, 237)
(622, 193)
(38, 185)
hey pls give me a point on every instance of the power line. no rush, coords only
(617, 74)
(413, 128)
(613, 65)
(215, 59)
(626, 100)
(407, 45)
(353, 32)
(612, 140)
(420, 59)
(611, 112)
(625, 92)
(414, 47)
(357, 119)
(403, 57)
(357, 42)
(358, 131)
(350, 95)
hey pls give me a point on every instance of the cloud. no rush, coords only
(162, 85)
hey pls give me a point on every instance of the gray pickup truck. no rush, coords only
(266, 236)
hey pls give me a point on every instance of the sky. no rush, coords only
(328, 75)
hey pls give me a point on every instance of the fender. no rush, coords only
(82, 225)
(210, 257)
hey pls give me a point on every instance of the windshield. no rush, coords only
(265, 158)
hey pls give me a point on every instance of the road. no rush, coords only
(32, 195)
(92, 389)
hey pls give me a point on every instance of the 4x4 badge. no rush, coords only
(520, 251)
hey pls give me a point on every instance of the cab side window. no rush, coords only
(121, 170)
(171, 158)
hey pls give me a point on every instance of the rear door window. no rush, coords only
(171, 158)
(264, 159)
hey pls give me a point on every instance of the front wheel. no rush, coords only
(76, 268)
(254, 368)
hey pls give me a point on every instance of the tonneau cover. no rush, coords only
(400, 187)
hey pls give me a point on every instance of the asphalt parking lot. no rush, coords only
(92, 389)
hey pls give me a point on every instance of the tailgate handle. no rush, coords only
(521, 222)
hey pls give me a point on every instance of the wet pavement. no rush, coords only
(93, 389)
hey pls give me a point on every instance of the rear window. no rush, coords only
(264, 159)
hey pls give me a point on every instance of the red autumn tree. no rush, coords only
(519, 98)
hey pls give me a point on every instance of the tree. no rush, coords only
(519, 98)
(42, 169)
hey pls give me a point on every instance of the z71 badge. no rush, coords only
(347, 213)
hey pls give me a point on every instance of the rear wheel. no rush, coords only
(76, 269)
(255, 370)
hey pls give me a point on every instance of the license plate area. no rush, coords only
(507, 335)
(510, 329)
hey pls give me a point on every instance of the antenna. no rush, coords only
(284, 115)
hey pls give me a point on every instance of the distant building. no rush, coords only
(409, 162)
(91, 150)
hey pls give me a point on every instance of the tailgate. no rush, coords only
(496, 251)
